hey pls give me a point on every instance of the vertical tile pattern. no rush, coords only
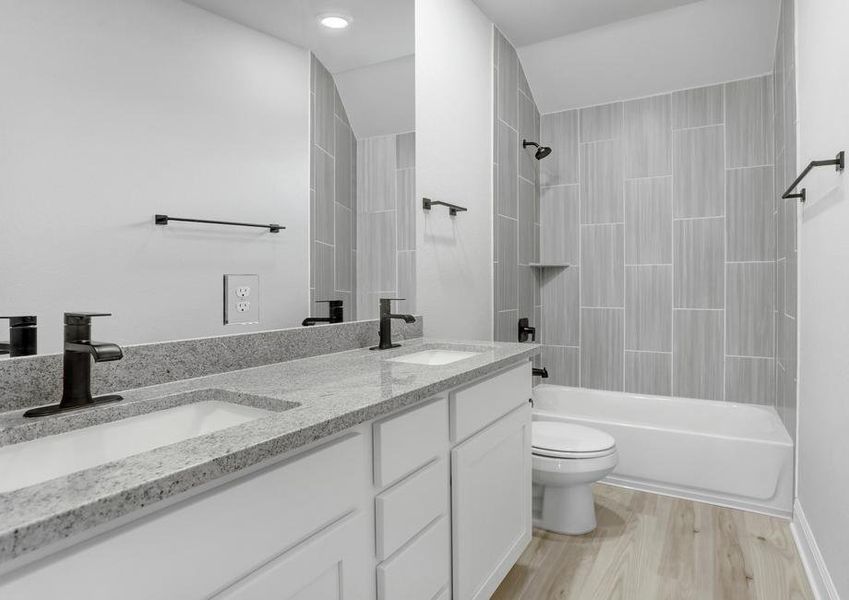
(385, 224)
(647, 239)
(648, 137)
(561, 307)
(698, 107)
(506, 271)
(648, 373)
(601, 122)
(564, 365)
(785, 169)
(516, 194)
(751, 218)
(748, 116)
(376, 173)
(750, 309)
(602, 348)
(601, 182)
(602, 265)
(526, 222)
(699, 176)
(559, 131)
(332, 196)
(507, 172)
(560, 224)
(699, 263)
(698, 357)
(648, 308)
(648, 221)
(750, 380)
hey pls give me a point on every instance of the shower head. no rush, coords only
(542, 151)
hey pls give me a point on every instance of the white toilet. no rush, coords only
(567, 460)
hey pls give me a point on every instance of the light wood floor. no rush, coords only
(650, 547)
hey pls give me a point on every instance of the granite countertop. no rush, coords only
(332, 392)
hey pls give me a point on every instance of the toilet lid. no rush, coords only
(555, 438)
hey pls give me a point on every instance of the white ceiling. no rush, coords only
(531, 22)
(381, 30)
(709, 41)
(371, 61)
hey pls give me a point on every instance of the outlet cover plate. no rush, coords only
(241, 299)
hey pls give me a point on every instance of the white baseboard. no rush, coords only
(818, 576)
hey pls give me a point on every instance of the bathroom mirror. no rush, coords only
(298, 113)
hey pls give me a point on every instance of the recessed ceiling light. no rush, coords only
(334, 21)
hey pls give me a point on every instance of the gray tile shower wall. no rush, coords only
(36, 380)
(665, 207)
(386, 222)
(333, 199)
(516, 206)
(785, 214)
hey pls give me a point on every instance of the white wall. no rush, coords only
(454, 79)
(113, 110)
(823, 92)
(380, 99)
(685, 47)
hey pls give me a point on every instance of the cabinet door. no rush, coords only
(331, 565)
(491, 504)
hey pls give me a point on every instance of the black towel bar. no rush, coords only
(453, 209)
(839, 162)
(164, 219)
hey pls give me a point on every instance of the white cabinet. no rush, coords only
(475, 406)
(329, 566)
(490, 504)
(369, 514)
(409, 440)
(420, 570)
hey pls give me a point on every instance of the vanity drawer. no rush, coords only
(476, 406)
(406, 508)
(419, 571)
(405, 442)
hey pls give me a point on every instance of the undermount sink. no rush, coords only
(433, 357)
(39, 460)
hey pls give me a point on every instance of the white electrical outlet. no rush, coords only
(238, 310)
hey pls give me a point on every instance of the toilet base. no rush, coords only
(569, 510)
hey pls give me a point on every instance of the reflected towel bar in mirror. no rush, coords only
(164, 219)
(453, 209)
(839, 162)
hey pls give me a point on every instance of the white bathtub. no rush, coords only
(730, 454)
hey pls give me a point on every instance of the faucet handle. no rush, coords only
(21, 321)
(83, 318)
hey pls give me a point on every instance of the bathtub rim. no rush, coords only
(781, 432)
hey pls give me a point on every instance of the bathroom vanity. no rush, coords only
(392, 475)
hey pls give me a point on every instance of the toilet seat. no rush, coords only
(555, 439)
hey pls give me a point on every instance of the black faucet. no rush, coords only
(23, 337)
(543, 372)
(335, 309)
(79, 350)
(386, 324)
(526, 330)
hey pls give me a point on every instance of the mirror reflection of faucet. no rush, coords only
(23, 337)
(335, 310)
(76, 378)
